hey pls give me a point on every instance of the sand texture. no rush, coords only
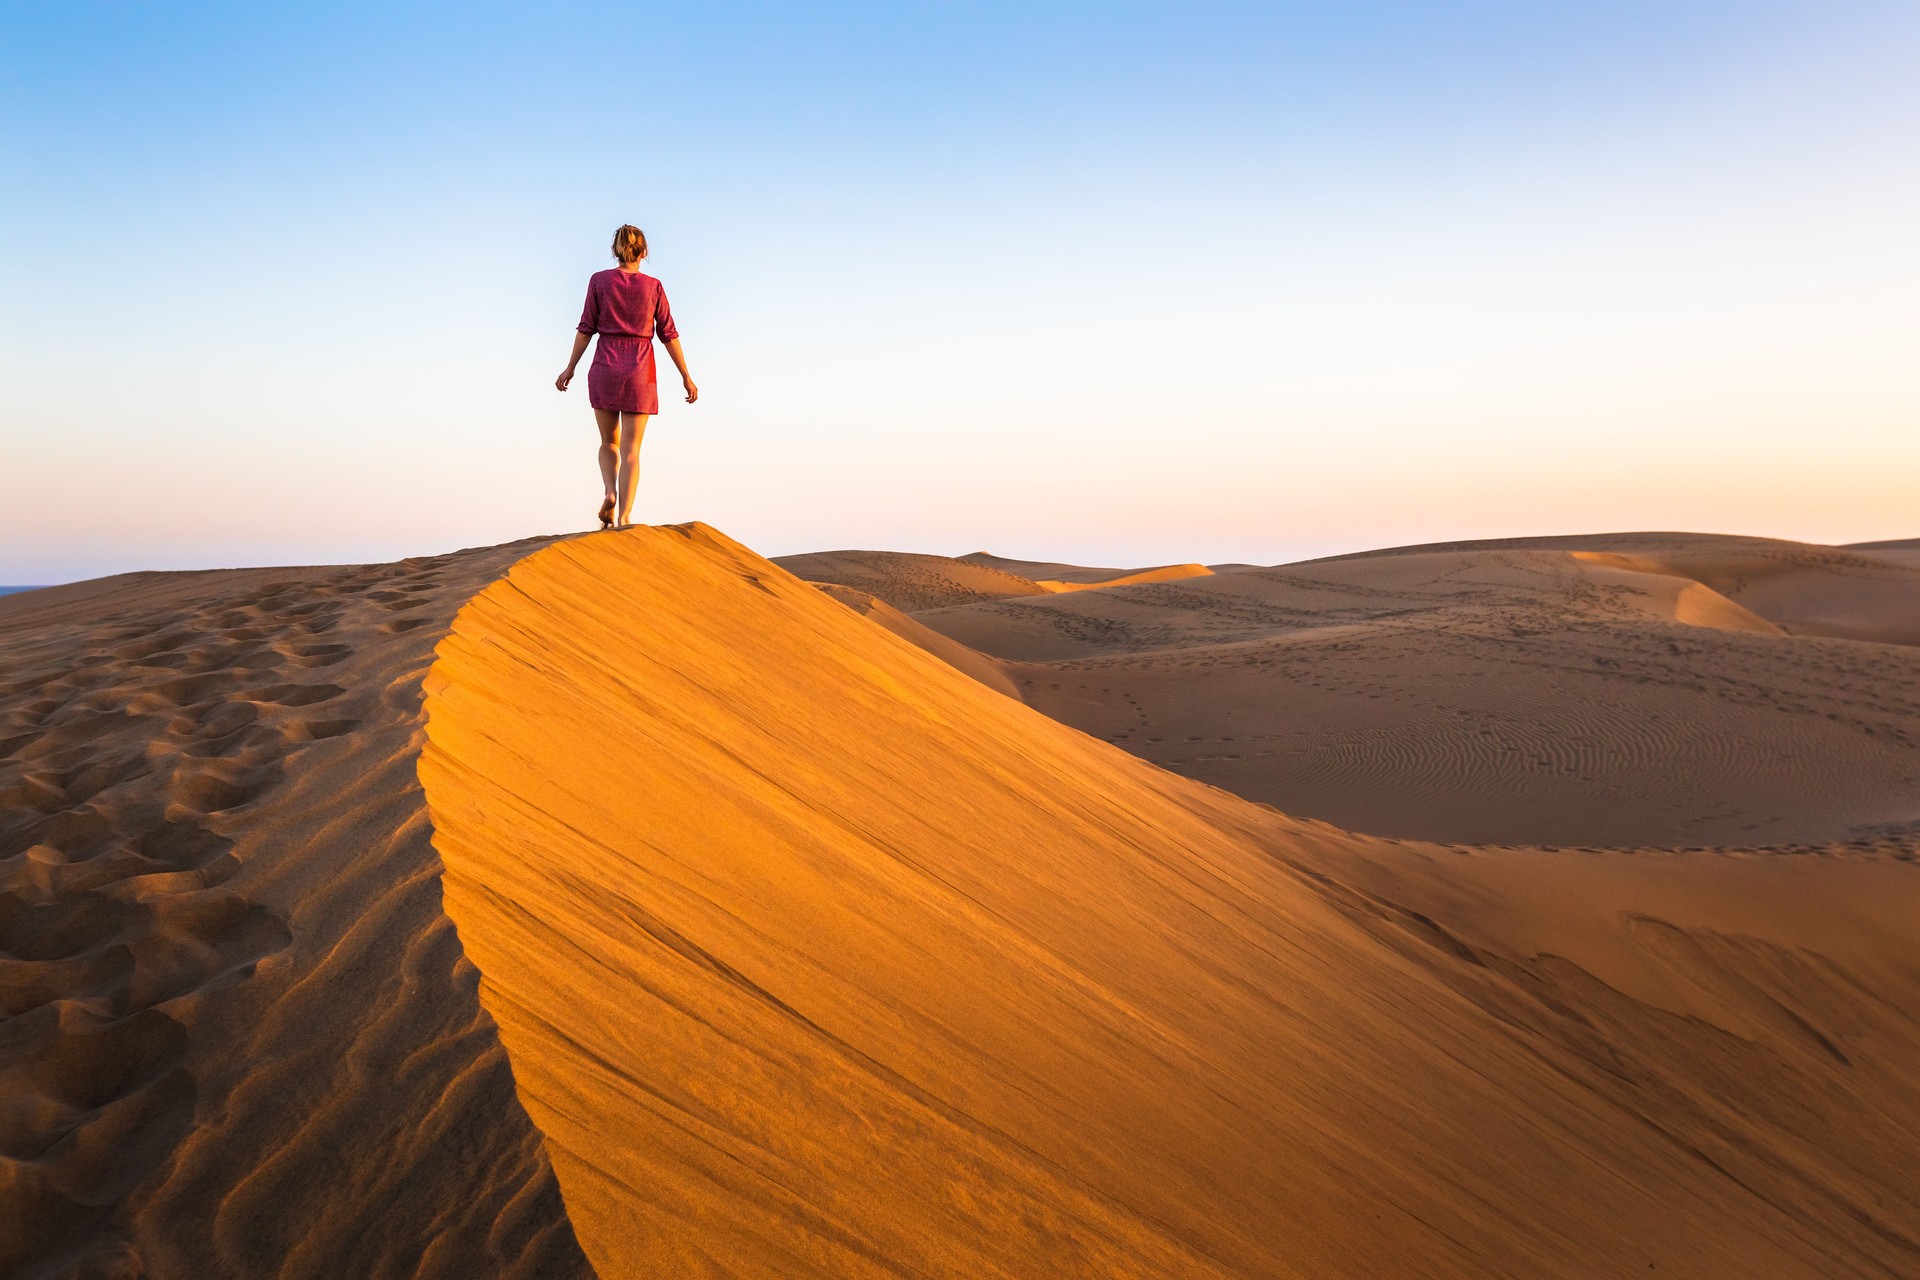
(628, 905)
(1638, 689)
(815, 957)
(240, 1037)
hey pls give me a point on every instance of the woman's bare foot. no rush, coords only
(606, 513)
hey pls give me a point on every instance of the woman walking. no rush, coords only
(628, 310)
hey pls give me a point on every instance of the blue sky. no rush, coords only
(1122, 283)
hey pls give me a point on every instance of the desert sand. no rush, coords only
(1899, 550)
(1632, 689)
(629, 903)
(241, 1037)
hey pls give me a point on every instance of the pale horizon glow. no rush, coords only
(1122, 285)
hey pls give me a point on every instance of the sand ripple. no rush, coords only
(237, 1036)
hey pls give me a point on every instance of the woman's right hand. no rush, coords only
(566, 376)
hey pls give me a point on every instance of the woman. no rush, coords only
(628, 310)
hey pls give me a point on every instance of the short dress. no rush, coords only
(628, 310)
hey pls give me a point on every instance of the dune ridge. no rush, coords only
(1057, 576)
(1163, 573)
(815, 957)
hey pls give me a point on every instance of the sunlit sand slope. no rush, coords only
(1677, 690)
(814, 957)
(237, 1034)
(952, 652)
(1165, 573)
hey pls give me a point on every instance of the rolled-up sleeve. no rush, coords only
(590, 313)
(663, 326)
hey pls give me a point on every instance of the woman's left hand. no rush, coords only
(693, 392)
(560, 383)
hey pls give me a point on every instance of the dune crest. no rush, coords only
(1129, 578)
(1057, 576)
(814, 957)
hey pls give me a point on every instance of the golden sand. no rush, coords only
(627, 902)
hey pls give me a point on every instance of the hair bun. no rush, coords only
(629, 244)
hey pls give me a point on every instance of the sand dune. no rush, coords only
(1903, 551)
(1630, 689)
(813, 957)
(1056, 576)
(907, 581)
(240, 1036)
(1806, 589)
(954, 654)
(1163, 573)
(784, 948)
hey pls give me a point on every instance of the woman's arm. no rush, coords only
(680, 363)
(579, 349)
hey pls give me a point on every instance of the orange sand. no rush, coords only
(785, 947)
(814, 957)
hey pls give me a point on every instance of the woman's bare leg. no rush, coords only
(609, 423)
(632, 427)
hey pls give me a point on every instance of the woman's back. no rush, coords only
(627, 304)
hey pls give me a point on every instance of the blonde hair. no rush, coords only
(629, 244)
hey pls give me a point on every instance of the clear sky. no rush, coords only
(1122, 283)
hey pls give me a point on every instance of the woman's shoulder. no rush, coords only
(614, 275)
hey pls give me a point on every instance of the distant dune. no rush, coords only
(1900, 550)
(1624, 689)
(1055, 576)
(907, 581)
(787, 948)
(1161, 573)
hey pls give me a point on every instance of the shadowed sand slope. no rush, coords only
(1679, 690)
(815, 958)
(237, 1034)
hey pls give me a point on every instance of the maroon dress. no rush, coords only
(628, 310)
